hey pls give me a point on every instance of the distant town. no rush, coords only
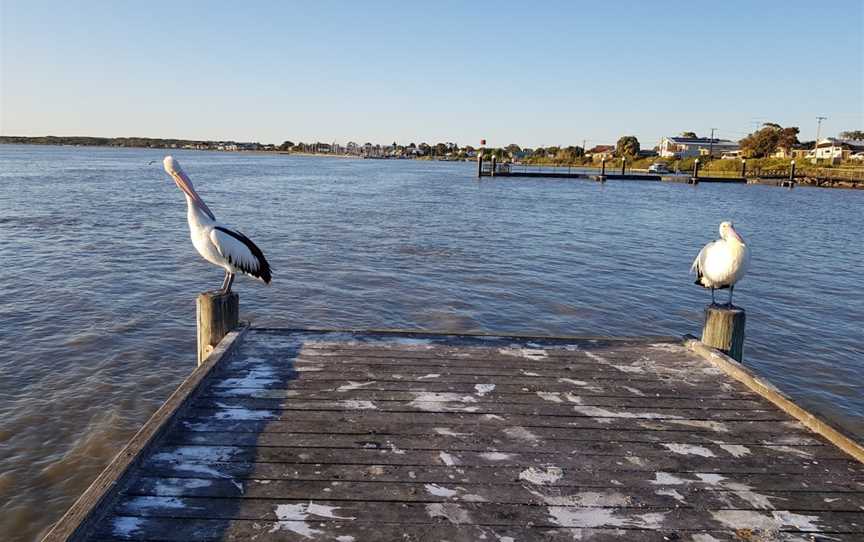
(772, 141)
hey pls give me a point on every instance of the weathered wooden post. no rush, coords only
(696, 169)
(623, 164)
(724, 329)
(792, 171)
(479, 165)
(218, 314)
(743, 168)
(493, 166)
(603, 166)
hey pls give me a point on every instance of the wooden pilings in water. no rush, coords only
(724, 330)
(217, 315)
(479, 165)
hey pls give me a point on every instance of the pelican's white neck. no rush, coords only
(196, 216)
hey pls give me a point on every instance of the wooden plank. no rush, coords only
(786, 463)
(661, 389)
(512, 440)
(444, 419)
(241, 530)
(470, 405)
(298, 429)
(493, 514)
(627, 476)
(89, 506)
(493, 397)
(680, 496)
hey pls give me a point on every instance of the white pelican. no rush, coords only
(722, 263)
(218, 244)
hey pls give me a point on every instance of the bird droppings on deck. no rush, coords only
(493, 417)
(761, 521)
(431, 375)
(533, 354)
(293, 517)
(603, 414)
(450, 511)
(442, 402)
(688, 449)
(126, 526)
(259, 377)
(669, 492)
(357, 404)
(520, 433)
(551, 396)
(447, 432)
(483, 389)
(440, 491)
(230, 412)
(448, 459)
(603, 517)
(351, 386)
(541, 476)
(496, 456)
(735, 450)
(152, 502)
(718, 427)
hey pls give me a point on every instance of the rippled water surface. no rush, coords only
(99, 279)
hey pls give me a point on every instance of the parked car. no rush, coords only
(659, 167)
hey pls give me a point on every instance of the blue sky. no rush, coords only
(532, 73)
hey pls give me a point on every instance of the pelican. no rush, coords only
(218, 244)
(722, 263)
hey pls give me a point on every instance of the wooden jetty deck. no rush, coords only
(364, 436)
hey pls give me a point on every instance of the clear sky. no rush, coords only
(544, 73)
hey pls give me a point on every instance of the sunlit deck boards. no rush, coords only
(358, 437)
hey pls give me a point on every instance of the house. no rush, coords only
(694, 147)
(796, 152)
(835, 150)
(601, 152)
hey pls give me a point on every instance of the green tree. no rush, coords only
(286, 146)
(760, 143)
(852, 134)
(689, 134)
(627, 146)
(787, 138)
(513, 148)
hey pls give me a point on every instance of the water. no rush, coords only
(99, 280)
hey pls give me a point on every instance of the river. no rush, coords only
(98, 280)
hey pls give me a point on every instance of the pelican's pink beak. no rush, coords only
(172, 167)
(736, 234)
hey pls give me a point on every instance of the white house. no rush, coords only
(834, 149)
(689, 147)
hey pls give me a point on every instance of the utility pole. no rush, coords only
(711, 145)
(818, 131)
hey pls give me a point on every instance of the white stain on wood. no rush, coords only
(541, 476)
(449, 511)
(430, 375)
(688, 449)
(126, 526)
(354, 404)
(496, 456)
(448, 459)
(777, 520)
(669, 492)
(719, 427)
(447, 432)
(483, 389)
(293, 517)
(442, 402)
(520, 433)
(735, 450)
(551, 396)
(351, 385)
(440, 491)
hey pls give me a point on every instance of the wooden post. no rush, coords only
(493, 166)
(479, 165)
(217, 315)
(603, 166)
(792, 171)
(743, 168)
(623, 164)
(696, 169)
(724, 329)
